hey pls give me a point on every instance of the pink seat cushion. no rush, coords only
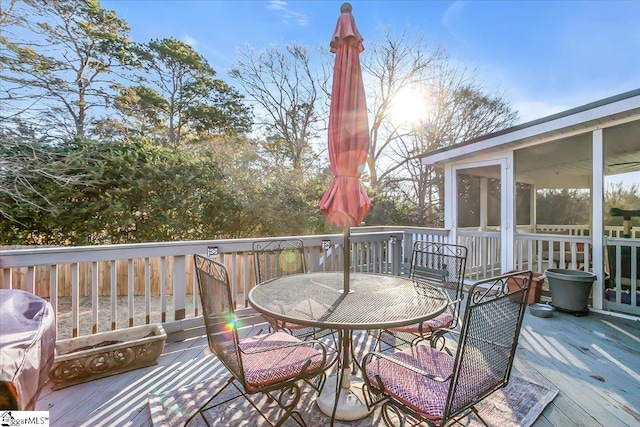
(286, 325)
(441, 321)
(424, 395)
(263, 367)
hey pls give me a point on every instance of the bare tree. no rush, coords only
(459, 110)
(394, 64)
(287, 97)
(462, 109)
(7, 15)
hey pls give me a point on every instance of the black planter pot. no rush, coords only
(570, 289)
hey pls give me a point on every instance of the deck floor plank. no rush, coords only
(567, 352)
(593, 360)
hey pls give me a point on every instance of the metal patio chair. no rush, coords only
(277, 258)
(437, 264)
(272, 364)
(424, 384)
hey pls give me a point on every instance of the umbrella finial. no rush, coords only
(346, 8)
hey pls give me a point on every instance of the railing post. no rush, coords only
(395, 242)
(407, 247)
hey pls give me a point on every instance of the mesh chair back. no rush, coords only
(442, 265)
(488, 339)
(277, 258)
(218, 312)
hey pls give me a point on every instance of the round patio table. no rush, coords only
(376, 301)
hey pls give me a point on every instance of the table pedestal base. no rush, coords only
(351, 404)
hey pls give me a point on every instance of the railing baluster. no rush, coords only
(163, 285)
(634, 275)
(75, 300)
(234, 279)
(6, 278)
(179, 287)
(196, 292)
(113, 282)
(130, 291)
(53, 291)
(31, 279)
(246, 274)
(95, 305)
(147, 291)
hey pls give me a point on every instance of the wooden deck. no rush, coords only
(594, 361)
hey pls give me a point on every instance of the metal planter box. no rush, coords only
(100, 355)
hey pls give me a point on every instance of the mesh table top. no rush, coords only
(376, 301)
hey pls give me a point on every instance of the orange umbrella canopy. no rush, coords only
(345, 203)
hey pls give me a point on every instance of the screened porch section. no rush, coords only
(558, 192)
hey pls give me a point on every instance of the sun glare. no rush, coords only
(409, 106)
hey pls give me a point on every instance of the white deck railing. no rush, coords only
(548, 249)
(483, 253)
(624, 258)
(99, 288)
(539, 251)
(583, 230)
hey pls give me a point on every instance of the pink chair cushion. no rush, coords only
(263, 367)
(286, 325)
(424, 395)
(441, 321)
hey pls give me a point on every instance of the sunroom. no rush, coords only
(581, 149)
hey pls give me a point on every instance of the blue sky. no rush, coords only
(544, 56)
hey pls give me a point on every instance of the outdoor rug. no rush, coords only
(518, 404)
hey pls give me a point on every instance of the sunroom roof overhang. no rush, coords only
(600, 114)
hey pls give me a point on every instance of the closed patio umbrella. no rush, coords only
(345, 203)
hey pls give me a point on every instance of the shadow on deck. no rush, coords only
(592, 360)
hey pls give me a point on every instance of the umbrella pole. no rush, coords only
(347, 259)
